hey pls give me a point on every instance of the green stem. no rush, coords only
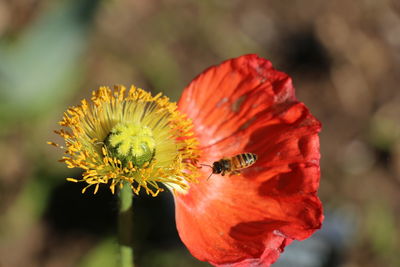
(125, 225)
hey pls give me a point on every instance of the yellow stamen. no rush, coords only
(130, 137)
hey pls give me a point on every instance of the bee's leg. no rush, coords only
(223, 173)
(236, 173)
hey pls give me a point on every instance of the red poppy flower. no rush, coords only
(245, 105)
(130, 138)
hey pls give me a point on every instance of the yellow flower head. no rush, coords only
(130, 137)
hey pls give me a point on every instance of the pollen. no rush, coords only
(129, 137)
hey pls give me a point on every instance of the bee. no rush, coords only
(232, 165)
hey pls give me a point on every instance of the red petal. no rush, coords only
(244, 105)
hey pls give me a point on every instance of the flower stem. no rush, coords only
(125, 224)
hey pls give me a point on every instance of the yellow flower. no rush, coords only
(130, 137)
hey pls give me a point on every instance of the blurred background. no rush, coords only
(344, 58)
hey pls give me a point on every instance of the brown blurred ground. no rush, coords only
(344, 58)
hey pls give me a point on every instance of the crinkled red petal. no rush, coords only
(244, 105)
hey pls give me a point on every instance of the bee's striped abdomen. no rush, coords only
(242, 161)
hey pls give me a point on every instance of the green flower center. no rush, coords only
(131, 142)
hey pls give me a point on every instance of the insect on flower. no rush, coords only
(232, 165)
